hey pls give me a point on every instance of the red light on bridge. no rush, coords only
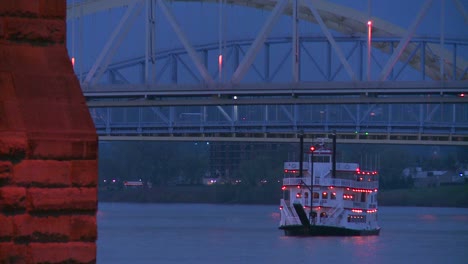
(369, 23)
(312, 148)
(462, 95)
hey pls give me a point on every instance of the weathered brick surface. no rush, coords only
(73, 252)
(60, 199)
(34, 30)
(84, 173)
(42, 173)
(14, 253)
(12, 198)
(6, 228)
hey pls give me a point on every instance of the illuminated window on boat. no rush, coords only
(333, 195)
(356, 218)
(349, 197)
(316, 195)
(324, 195)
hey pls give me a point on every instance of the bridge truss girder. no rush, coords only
(376, 123)
(314, 66)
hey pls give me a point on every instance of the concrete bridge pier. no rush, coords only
(48, 142)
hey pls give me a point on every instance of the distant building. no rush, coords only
(225, 157)
(433, 178)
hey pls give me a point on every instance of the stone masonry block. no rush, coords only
(42, 173)
(6, 82)
(61, 228)
(14, 253)
(24, 59)
(62, 199)
(84, 173)
(6, 228)
(83, 228)
(12, 146)
(52, 8)
(72, 252)
(42, 228)
(9, 112)
(62, 149)
(58, 61)
(25, 8)
(46, 62)
(12, 199)
(49, 88)
(34, 30)
(5, 171)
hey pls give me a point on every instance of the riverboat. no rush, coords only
(322, 197)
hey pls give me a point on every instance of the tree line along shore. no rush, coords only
(442, 196)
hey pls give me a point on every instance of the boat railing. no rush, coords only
(296, 181)
(333, 182)
(346, 183)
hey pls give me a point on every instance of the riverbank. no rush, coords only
(443, 196)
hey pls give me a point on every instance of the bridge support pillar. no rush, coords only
(48, 143)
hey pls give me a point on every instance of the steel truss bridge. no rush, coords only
(371, 83)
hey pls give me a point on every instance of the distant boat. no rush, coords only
(133, 183)
(324, 198)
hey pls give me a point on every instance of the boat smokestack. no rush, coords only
(334, 155)
(301, 154)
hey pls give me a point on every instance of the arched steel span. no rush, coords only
(339, 18)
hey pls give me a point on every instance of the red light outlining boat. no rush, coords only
(327, 199)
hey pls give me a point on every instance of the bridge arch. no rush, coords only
(339, 18)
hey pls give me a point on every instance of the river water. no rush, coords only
(209, 233)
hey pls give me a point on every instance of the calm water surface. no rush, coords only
(205, 233)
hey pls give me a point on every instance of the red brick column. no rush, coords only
(48, 143)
